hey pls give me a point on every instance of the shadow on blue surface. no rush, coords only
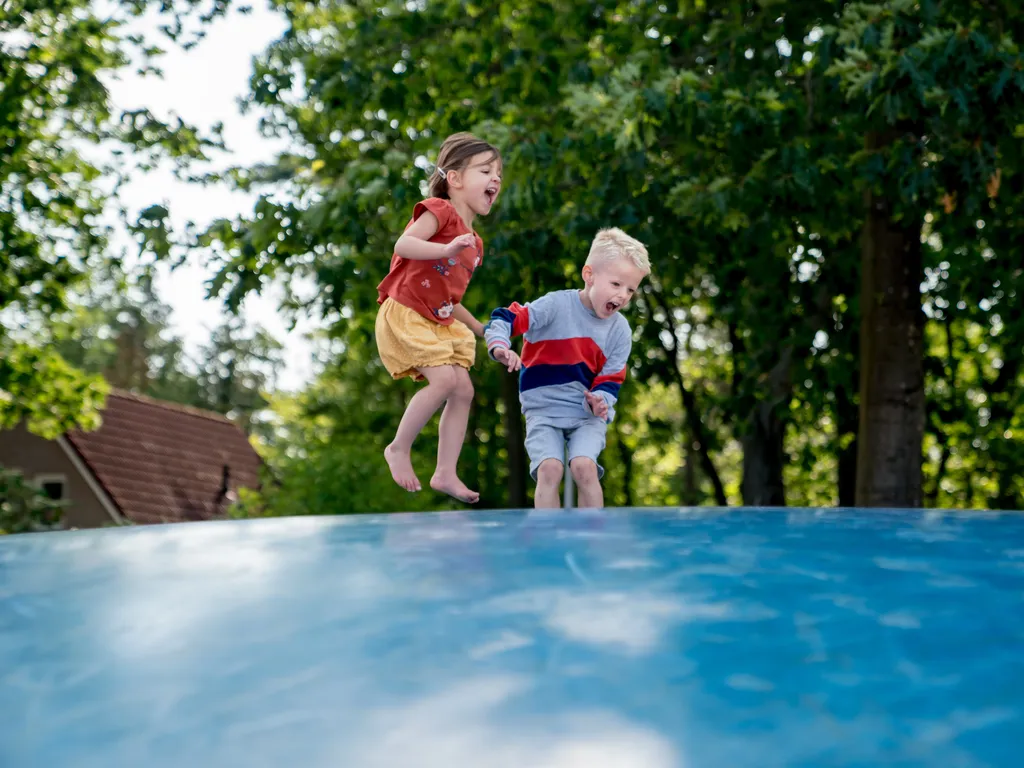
(619, 638)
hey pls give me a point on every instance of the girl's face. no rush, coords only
(478, 184)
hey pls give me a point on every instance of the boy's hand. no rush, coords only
(460, 243)
(598, 405)
(508, 358)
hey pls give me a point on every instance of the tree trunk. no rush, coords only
(697, 437)
(762, 484)
(763, 450)
(892, 399)
(699, 441)
(515, 443)
(847, 424)
(691, 489)
(1004, 399)
(846, 456)
(952, 371)
(626, 457)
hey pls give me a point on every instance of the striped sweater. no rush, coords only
(567, 351)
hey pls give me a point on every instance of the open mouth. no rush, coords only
(491, 193)
(611, 306)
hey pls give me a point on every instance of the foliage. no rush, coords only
(765, 152)
(54, 114)
(121, 331)
(23, 507)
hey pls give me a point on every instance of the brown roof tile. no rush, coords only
(163, 462)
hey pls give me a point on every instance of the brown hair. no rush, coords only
(456, 152)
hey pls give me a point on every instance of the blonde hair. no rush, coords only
(612, 243)
(455, 154)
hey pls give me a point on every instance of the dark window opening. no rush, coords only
(53, 490)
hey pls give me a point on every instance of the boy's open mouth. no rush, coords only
(611, 306)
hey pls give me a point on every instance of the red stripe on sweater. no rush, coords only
(564, 352)
(613, 378)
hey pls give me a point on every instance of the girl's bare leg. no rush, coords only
(441, 382)
(452, 434)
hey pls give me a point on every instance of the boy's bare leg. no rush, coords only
(588, 483)
(451, 435)
(424, 404)
(549, 478)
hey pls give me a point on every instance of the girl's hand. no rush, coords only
(460, 243)
(508, 358)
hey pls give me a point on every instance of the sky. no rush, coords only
(202, 85)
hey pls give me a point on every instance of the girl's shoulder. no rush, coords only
(442, 209)
(434, 204)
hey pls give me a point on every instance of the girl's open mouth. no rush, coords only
(491, 193)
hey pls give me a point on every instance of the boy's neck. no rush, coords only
(465, 212)
(585, 300)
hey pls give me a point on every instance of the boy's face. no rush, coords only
(610, 285)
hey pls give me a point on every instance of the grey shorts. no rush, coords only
(586, 438)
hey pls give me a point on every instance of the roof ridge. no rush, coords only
(167, 405)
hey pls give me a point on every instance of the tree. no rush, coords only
(921, 99)
(362, 105)
(780, 163)
(54, 115)
(734, 127)
(236, 370)
(121, 331)
(941, 90)
(565, 178)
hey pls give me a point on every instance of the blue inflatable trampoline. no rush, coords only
(662, 638)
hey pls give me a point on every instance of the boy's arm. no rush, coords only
(505, 323)
(516, 320)
(463, 315)
(611, 377)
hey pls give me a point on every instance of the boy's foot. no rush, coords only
(451, 485)
(400, 464)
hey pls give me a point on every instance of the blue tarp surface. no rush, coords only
(656, 638)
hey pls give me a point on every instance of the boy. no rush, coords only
(574, 360)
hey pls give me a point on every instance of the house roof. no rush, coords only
(162, 462)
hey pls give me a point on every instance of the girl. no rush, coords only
(422, 329)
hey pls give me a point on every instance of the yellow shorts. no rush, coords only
(406, 341)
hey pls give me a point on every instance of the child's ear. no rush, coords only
(588, 274)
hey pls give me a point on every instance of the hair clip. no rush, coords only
(441, 172)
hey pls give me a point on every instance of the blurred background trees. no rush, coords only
(827, 189)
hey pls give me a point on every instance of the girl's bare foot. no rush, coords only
(451, 485)
(400, 464)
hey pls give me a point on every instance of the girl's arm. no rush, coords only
(414, 245)
(463, 315)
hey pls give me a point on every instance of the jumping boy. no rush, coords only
(575, 352)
